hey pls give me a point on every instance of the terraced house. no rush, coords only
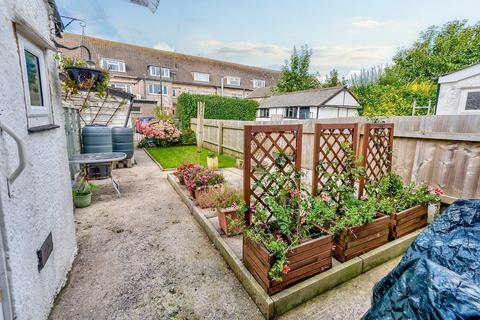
(158, 77)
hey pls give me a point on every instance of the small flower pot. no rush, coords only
(82, 201)
(204, 197)
(80, 74)
(225, 216)
(239, 163)
(212, 163)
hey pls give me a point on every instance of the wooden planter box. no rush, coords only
(357, 240)
(305, 260)
(408, 220)
(222, 215)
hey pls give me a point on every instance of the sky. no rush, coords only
(347, 35)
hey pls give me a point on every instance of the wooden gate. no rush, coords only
(377, 150)
(262, 146)
(329, 156)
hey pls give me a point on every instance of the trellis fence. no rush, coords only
(438, 150)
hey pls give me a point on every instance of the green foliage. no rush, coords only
(161, 115)
(292, 215)
(332, 80)
(295, 74)
(188, 138)
(391, 195)
(354, 212)
(438, 50)
(83, 189)
(216, 107)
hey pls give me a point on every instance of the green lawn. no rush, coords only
(172, 157)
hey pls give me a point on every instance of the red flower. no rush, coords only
(286, 269)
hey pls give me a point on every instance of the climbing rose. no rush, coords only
(325, 197)
(438, 192)
(286, 269)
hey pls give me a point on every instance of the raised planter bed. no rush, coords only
(305, 260)
(406, 221)
(355, 241)
(223, 214)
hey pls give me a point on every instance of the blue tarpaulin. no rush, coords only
(439, 275)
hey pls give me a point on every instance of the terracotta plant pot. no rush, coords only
(224, 215)
(356, 241)
(406, 221)
(305, 260)
(212, 163)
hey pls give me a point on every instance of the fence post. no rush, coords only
(220, 137)
(200, 114)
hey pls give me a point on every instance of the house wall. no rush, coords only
(317, 113)
(42, 200)
(449, 98)
(343, 98)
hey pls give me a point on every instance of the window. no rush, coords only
(154, 88)
(174, 92)
(35, 83)
(258, 83)
(233, 81)
(122, 86)
(291, 113)
(112, 65)
(263, 113)
(203, 77)
(470, 100)
(159, 72)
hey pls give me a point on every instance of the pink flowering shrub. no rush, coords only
(165, 132)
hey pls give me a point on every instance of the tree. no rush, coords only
(438, 50)
(295, 74)
(332, 79)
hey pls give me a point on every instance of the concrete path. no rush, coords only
(143, 256)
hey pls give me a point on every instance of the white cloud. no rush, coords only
(369, 23)
(163, 46)
(243, 47)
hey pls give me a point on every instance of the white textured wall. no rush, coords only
(42, 200)
(449, 96)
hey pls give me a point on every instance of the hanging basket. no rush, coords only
(82, 74)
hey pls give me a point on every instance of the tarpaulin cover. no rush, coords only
(439, 275)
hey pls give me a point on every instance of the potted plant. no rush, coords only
(181, 170)
(407, 205)
(286, 242)
(357, 227)
(201, 182)
(212, 161)
(82, 194)
(231, 209)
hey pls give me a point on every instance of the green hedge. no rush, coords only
(216, 107)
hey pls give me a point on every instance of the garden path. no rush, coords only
(143, 256)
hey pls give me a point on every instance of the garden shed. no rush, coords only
(459, 92)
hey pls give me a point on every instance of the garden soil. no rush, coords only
(143, 256)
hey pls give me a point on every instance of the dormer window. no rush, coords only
(201, 77)
(233, 81)
(258, 83)
(159, 71)
(112, 65)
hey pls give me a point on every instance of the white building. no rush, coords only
(309, 104)
(459, 92)
(37, 242)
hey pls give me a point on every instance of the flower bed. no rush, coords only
(355, 241)
(199, 182)
(164, 132)
(405, 204)
(304, 260)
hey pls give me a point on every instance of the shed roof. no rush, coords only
(264, 92)
(307, 98)
(460, 74)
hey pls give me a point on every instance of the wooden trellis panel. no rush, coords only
(260, 144)
(377, 150)
(328, 156)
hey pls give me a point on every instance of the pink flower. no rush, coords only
(279, 237)
(286, 269)
(295, 193)
(253, 207)
(438, 192)
(325, 197)
(234, 206)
